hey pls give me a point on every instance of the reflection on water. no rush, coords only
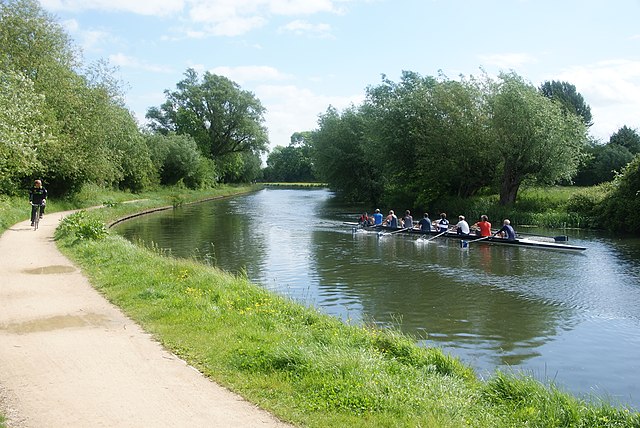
(573, 318)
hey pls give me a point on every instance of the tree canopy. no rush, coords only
(567, 95)
(223, 119)
(292, 163)
(58, 124)
(534, 137)
(627, 138)
(424, 138)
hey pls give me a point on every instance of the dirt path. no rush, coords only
(70, 358)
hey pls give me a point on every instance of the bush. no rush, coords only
(80, 226)
(619, 209)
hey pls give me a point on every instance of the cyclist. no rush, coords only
(37, 196)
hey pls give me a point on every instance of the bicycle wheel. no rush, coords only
(36, 219)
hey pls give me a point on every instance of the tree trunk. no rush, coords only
(510, 186)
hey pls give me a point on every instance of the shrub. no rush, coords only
(81, 226)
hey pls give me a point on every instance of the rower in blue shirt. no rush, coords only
(507, 231)
(377, 217)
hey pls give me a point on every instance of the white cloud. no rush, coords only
(250, 73)
(508, 61)
(612, 90)
(235, 26)
(291, 109)
(302, 7)
(211, 17)
(301, 27)
(125, 61)
(237, 17)
(141, 7)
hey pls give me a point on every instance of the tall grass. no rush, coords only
(545, 207)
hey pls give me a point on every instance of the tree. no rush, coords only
(340, 149)
(603, 163)
(222, 119)
(177, 159)
(571, 100)
(619, 209)
(33, 43)
(289, 164)
(628, 138)
(429, 137)
(90, 135)
(293, 163)
(536, 138)
(21, 129)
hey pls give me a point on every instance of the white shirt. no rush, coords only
(463, 226)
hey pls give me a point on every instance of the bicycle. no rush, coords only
(35, 214)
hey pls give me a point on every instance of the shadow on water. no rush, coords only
(574, 318)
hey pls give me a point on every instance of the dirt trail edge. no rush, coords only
(70, 358)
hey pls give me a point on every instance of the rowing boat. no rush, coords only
(550, 243)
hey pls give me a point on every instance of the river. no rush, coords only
(568, 318)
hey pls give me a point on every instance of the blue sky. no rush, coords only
(300, 56)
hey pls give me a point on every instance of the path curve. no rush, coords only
(70, 358)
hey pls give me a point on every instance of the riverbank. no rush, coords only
(304, 366)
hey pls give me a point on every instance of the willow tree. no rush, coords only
(225, 121)
(340, 150)
(536, 138)
(431, 136)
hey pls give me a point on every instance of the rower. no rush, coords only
(377, 217)
(507, 231)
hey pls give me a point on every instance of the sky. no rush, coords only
(298, 57)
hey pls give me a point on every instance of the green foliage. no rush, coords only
(177, 200)
(602, 164)
(290, 164)
(527, 402)
(567, 95)
(178, 159)
(586, 204)
(428, 137)
(342, 156)
(628, 138)
(553, 207)
(238, 167)
(414, 142)
(221, 118)
(57, 124)
(81, 226)
(535, 138)
(21, 130)
(620, 207)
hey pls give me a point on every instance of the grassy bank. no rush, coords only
(303, 366)
(552, 207)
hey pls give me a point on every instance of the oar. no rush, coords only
(439, 234)
(463, 242)
(391, 233)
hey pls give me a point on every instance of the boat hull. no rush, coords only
(469, 239)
